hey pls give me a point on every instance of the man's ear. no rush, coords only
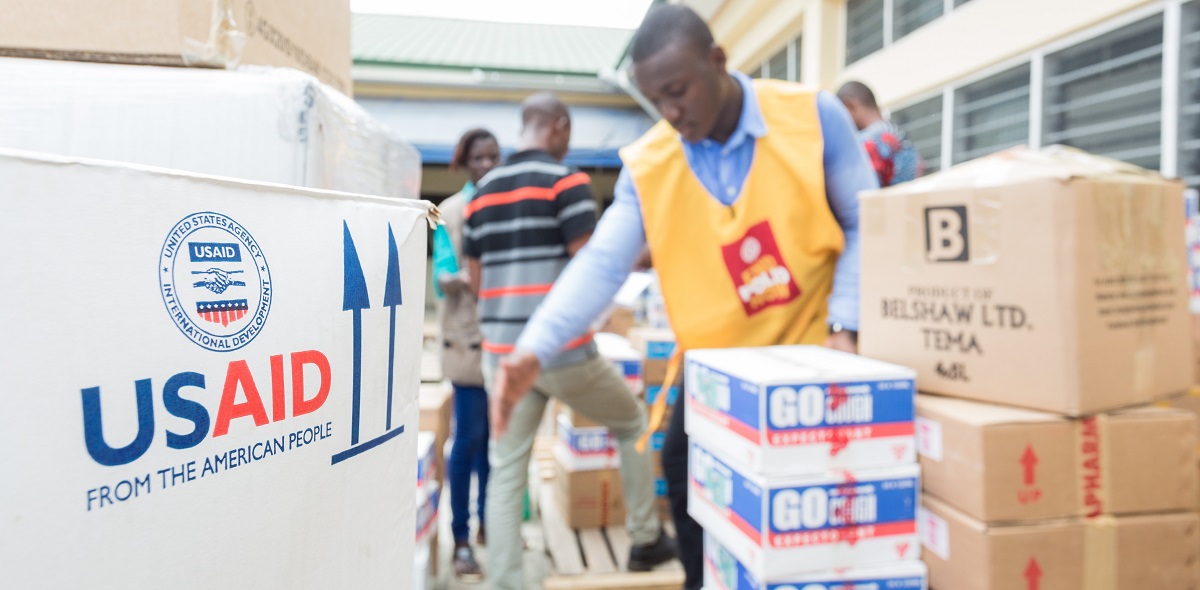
(717, 57)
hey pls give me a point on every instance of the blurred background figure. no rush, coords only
(477, 153)
(894, 158)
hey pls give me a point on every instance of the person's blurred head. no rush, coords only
(546, 124)
(860, 101)
(680, 69)
(477, 152)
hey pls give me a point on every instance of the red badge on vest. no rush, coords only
(759, 274)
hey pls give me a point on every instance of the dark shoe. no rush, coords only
(643, 558)
(466, 569)
(481, 537)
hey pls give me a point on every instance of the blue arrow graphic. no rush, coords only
(392, 298)
(354, 298)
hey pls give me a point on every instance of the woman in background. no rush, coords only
(477, 153)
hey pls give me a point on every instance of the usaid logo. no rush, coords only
(215, 281)
(946, 235)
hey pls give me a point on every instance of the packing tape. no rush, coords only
(1100, 554)
(223, 48)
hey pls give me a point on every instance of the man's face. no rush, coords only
(857, 112)
(684, 85)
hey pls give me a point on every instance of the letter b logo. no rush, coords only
(946, 234)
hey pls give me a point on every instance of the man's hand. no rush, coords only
(843, 341)
(514, 378)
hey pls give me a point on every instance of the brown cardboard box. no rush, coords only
(1049, 279)
(619, 322)
(1111, 553)
(308, 35)
(997, 463)
(1195, 351)
(436, 401)
(1189, 403)
(589, 499)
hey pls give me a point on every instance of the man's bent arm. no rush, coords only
(847, 172)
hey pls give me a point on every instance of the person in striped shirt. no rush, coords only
(524, 223)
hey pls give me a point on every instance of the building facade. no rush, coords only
(966, 78)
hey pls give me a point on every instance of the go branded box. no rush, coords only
(781, 526)
(722, 571)
(784, 408)
(586, 448)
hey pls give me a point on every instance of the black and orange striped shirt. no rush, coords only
(518, 225)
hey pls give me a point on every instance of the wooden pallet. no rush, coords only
(594, 559)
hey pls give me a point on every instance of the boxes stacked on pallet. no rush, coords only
(1054, 281)
(656, 346)
(802, 462)
(428, 500)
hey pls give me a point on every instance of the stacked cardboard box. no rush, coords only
(587, 480)
(262, 124)
(1048, 280)
(656, 346)
(1007, 487)
(429, 478)
(436, 403)
(309, 35)
(802, 462)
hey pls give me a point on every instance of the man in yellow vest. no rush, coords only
(746, 194)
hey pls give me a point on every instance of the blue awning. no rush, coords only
(434, 127)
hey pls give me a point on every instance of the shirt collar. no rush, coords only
(751, 124)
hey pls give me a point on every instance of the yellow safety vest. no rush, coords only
(758, 272)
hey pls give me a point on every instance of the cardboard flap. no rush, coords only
(1019, 165)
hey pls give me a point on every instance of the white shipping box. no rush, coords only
(722, 571)
(806, 409)
(265, 124)
(787, 525)
(202, 388)
(586, 448)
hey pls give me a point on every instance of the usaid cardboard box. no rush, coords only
(210, 374)
(309, 35)
(623, 356)
(1052, 280)
(264, 124)
(998, 463)
(781, 409)
(785, 525)
(722, 571)
(1121, 553)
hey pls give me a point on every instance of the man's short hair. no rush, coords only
(858, 92)
(667, 23)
